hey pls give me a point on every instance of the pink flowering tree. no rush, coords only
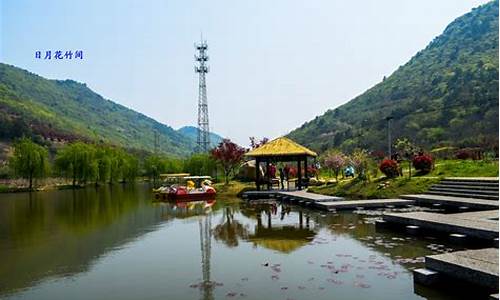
(335, 161)
(229, 155)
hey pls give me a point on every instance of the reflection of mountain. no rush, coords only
(66, 231)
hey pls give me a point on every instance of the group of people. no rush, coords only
(284, 174)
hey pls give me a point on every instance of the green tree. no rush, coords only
(129, 167)
(200, 164)
(29, 160)
(103, 161)
(154, 165)
(77, 161)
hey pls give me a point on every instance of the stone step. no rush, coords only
(472, 180)
(477, 184)
(465, 191)
(467, 187)
(464, 195)
(447, 223)
(472, 203)
(479, 267)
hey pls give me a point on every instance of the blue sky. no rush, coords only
(274, 64)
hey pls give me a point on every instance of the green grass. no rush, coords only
(392, 188)
(465, 168)
(376, 189)
(229, 192)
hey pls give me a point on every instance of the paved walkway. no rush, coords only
(453, 201)
(476, 266)
(353, 204)
(475, 224)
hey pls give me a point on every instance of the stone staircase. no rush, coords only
(469, 188)
(466, 193)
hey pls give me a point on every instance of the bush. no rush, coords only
(389, 167)
(423, 163)
(469, 153)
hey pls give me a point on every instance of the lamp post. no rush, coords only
(389, 148)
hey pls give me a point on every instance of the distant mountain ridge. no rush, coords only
(67, 110)
(192, 133)
(447, 94)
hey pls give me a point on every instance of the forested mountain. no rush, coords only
(447, 94)
(192, 133)
(65, 110)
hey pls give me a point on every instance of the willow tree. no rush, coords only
(154, 165)
(77, 161)
(29, 161)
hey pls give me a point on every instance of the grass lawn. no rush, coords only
(383, 187)
(465, 168)
(375, 189)
(232, 189)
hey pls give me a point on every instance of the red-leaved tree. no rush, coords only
(229, 155)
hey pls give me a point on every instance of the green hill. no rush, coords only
(65, 110)
(192, 133)
(447, 94)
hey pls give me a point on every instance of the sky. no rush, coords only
(273, 64)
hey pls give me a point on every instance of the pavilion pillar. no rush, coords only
(268, 175)
(299, 174)
(257, 173)
(305, 168)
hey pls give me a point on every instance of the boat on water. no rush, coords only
(186, 188)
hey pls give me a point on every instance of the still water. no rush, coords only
(115, 243)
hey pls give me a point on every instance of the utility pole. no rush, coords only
(389, 141)
(203, 139)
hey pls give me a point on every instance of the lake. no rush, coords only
(114, 242)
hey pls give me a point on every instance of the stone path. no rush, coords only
(472, 203)
(476, 224)
(354, 204)
(479, 267)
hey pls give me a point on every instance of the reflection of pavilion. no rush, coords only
(283, 238)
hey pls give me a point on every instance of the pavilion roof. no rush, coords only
(281, 147)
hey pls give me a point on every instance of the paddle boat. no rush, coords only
(195, 188)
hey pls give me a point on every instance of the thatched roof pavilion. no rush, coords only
(281, 150)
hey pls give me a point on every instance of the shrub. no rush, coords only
(469, 153)
(423, 163)
(389, 167)
(312, 171)
(463, 154)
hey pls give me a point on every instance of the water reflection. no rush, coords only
(100, 239)
(61, 233)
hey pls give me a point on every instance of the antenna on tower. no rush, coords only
(201, 58)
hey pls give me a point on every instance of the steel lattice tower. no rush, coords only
(202, 69)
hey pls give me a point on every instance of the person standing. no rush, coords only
(282, 178)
